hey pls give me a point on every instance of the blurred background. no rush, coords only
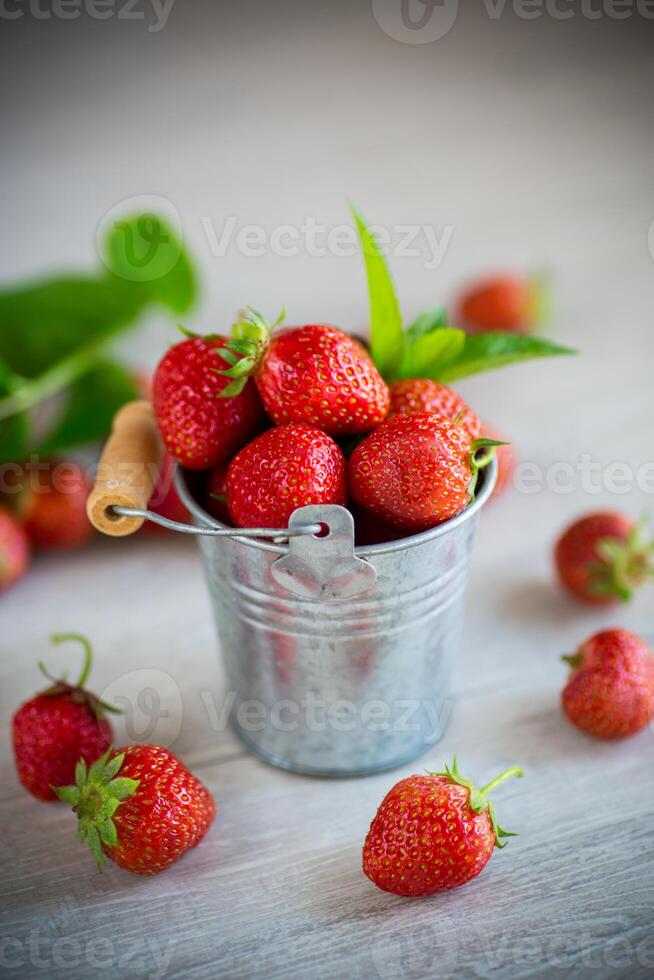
(505, 137)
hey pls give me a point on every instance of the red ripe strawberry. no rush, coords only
(139, 806)
(603, 558)
(504, 303)
(201, 417)
(422, 395)
(432, 833)
(49, 499)
(216, 499)
(314, 374)
(14, 550)
(284, 468)
(610, 693)
(58, 727)
(415, 471)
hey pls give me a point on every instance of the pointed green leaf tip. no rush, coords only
(95, 797)
(488, 351)
(386, 332)
(478, 798)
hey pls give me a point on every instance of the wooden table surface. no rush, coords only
(534, 140)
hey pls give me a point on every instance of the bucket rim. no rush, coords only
(486, 485)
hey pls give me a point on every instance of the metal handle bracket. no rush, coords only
(323, 567)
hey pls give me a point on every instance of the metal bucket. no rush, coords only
(338, 659)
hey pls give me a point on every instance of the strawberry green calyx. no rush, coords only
(60, 685)
(573, 660)
(478, 798)
(623, 566)
(95, 797)
(482, 452)
(251, 335)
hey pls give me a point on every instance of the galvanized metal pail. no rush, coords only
(338, 659)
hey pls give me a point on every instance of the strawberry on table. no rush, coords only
(416, 471)
(53, 730)
(603, 558)
(201, 420)
(49, 499)
(413, 395)
(14, 550)
(315, 374)
(503, 303)
(140, 806)
(286, 467)
(433, 833)
(610, 693)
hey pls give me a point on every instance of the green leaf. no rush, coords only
(427, 322)
(69, 794)
(487, 351)
(429, 354)
(14, 431)
(142, 249)
(122, 787)
(45, 322)
(386, 333)
(91, 403)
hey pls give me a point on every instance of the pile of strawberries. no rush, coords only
(138, 805)
(274, 417)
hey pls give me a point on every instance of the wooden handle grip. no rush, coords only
(128, 470)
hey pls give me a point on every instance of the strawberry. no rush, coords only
(14, 550)
(202, 419)
(49, 499)
(139, 806)
(415, 471)
(610, 693)
(503, 303)
(603, 558)
(57, 727)
(314, 374)
(433, 833)
(216, 499)
(422, 395)
(284, 468)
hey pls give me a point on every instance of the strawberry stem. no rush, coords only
(478, 798)
(513, 771)
(58, 638)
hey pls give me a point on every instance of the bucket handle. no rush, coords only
(127, 475)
